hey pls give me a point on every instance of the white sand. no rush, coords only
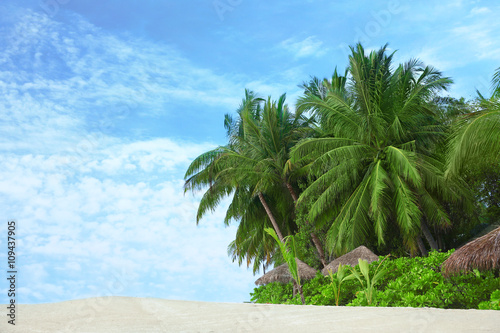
(135, 315)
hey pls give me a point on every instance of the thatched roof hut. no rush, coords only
(351, 259)
(482, 253)
(282, 273)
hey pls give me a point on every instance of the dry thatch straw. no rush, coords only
(282, 273)
(482, 253)
(351, 259)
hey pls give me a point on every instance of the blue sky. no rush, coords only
(104, 105)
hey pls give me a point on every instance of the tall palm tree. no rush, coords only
(250, 168)
(270, 140)
(374, 165)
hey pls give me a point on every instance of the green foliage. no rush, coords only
(374, 166)
(475, 137)
(493, 303)
(321, 291)
(361, 161)
(252, 169)
(417, 282)
(367, 282)
(485, 183)
(315, 290)
(289, 253)
(306, 250)
(408, 282)
(273, 293)
(337, 280)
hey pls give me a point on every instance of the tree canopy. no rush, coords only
(374, 155)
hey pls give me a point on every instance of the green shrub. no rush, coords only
(408, 282)
(274, 293)
(317, 291)
(417, 282)
(493, 303)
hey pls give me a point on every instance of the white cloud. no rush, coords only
(470, 42)
(309, 47)
(480, 38)
(65, 86)
(480, 10)
(433, 56)
(98, 213)
(83, 229)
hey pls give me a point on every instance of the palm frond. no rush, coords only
(407, 211)
(403, 162)
(380, 199)
(476, 137)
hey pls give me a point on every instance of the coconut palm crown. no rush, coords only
(372, 166)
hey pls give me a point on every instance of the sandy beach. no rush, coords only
(134, 315)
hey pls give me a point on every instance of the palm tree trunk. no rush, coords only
(428, 235)
(280, 236)
(298, 287)
(319, 248)
(421, 246)
(315, 239)
(302, 295)
(271, 216)
(292, 192)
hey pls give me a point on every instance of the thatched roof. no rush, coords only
(282, 273)
(351, 259)
(482, 253)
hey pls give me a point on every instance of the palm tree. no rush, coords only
(246, 168)
(476, 137)
(270, 140)
(373, 166)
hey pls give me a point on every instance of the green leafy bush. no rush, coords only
(319, 291)
(274, 293)
(417, 282)
(427, 287)
(493, 303)
(408, 282)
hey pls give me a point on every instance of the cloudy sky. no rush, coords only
(105, 103)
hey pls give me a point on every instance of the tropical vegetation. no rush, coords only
(375, 166)
(406, 282)
(378, 156)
